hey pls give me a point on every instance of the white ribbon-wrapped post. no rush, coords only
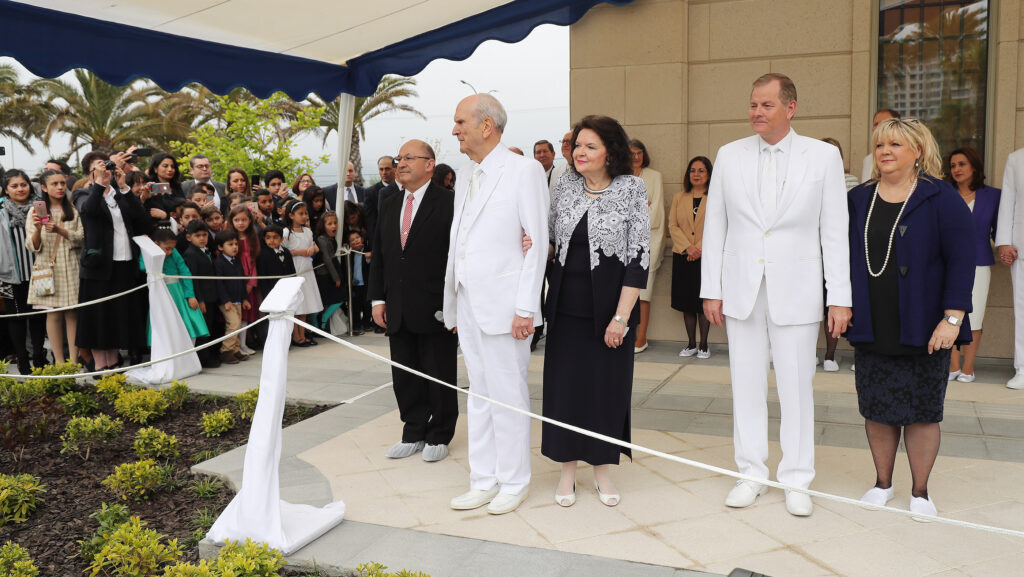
(168, 333)
(257, 511)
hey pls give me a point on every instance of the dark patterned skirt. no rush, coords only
(900, 390)
(686, 284)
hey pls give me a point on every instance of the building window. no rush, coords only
(933, 65)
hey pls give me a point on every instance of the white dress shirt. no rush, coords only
(782, 155)
(417, 199)
(122, 244)
(350, 194)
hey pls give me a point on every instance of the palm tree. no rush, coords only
(104, 117)
(385, 99)
(23, 112)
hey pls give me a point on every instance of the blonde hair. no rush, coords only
(915, 134)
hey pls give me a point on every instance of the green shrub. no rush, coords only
(19, 495)
(78, 404)
(89, 432)
(136, 480)
(249, 559)
(206, 454)
(245, 403)
(176, 394)
(207, 488)
(58, 386)
(131, 550)
(378, 570)
(152, 443)
(16, 394)
(141, 406)
(15, 562)
(217, 423)
(111, 386)
(108, 517)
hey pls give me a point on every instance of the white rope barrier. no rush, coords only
(216, 341)
(667, 456)
(79, 305)
(262, 277)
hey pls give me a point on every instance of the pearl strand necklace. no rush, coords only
(892, 234)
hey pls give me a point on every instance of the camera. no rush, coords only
(143, 151)
(109, 165)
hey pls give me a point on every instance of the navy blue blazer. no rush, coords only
(934, 263)
(986, 213)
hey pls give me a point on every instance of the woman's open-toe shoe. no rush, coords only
(609, 499)
(566, 500)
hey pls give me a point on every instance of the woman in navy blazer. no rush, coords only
(967, 175)
(911, 274)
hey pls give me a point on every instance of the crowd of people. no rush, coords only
(65, 242)
(768, 244)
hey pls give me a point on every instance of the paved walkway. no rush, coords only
(671, 520)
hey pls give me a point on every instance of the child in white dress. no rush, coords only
(298, 239)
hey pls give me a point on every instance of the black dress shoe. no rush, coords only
(378, 330)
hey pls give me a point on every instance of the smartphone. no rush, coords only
(143, 151)
(40, 208)
(209, 199)
(255, 180)
(159, 188)
(3, 151)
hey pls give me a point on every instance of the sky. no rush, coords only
(530, 78)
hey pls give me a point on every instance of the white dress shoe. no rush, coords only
(566, 500)
(923, 507)
(744, 494)
(402, 450)
(954, 374)
(608, 499)
(1017, 382)
(831, 366)
(966, 378)
(688, 351)
(877, 496)
(705, 354)
(434, 453)
(799, 504)
(507, 502)
(638, 350)
(474, 498)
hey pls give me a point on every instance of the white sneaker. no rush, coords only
(923, 507)
(705, 354)
(878, 497)
(744, 494)
(953, 375)
(688, 351)
(965, 378)
(1017, 382)
(831, 366)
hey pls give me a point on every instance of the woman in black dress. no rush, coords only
(686, 225)
(911, 273)
(601, 233)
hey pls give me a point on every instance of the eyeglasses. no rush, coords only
(410, 158)
(306, 181)
(698, 171)
(636, 154)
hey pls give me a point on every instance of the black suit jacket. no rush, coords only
(331, 192)
(374, 203)
(98, 245)
(229, 290)
(202, 265)
(269, 264)
(411, 281)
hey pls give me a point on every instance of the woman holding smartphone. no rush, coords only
(54, 232)
(16, 263)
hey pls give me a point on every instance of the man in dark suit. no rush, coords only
(378, 193)
(406, 289)
(350, 192)
(202, 171)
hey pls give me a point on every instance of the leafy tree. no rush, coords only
(22, 110)
(252, 134)
(385, 99)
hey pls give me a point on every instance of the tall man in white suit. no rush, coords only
(776, 222)
(490, 298)
(1009, 245)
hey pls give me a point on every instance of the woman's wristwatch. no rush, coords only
(618, 318)
(953, 320)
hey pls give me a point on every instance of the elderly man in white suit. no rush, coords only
(490, 298)
(776, 222)
(1009, 242)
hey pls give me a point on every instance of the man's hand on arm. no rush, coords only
(1007, 254)
(380, 315)
(839, 320)
(522, 327)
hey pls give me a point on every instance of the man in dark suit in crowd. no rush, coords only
(202, 171)
(351, 192)
(378, 193)
(406, 289)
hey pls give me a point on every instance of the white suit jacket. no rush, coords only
(1010, 224)
(486, 248)
(812, 222)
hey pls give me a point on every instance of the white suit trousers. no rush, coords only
(792, 348)
(1017, 276)
(499, 439)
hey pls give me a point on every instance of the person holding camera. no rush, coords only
(111, 216)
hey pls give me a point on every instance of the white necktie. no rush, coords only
(474, 183)
(769, 191)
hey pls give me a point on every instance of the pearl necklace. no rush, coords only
(892, 234)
